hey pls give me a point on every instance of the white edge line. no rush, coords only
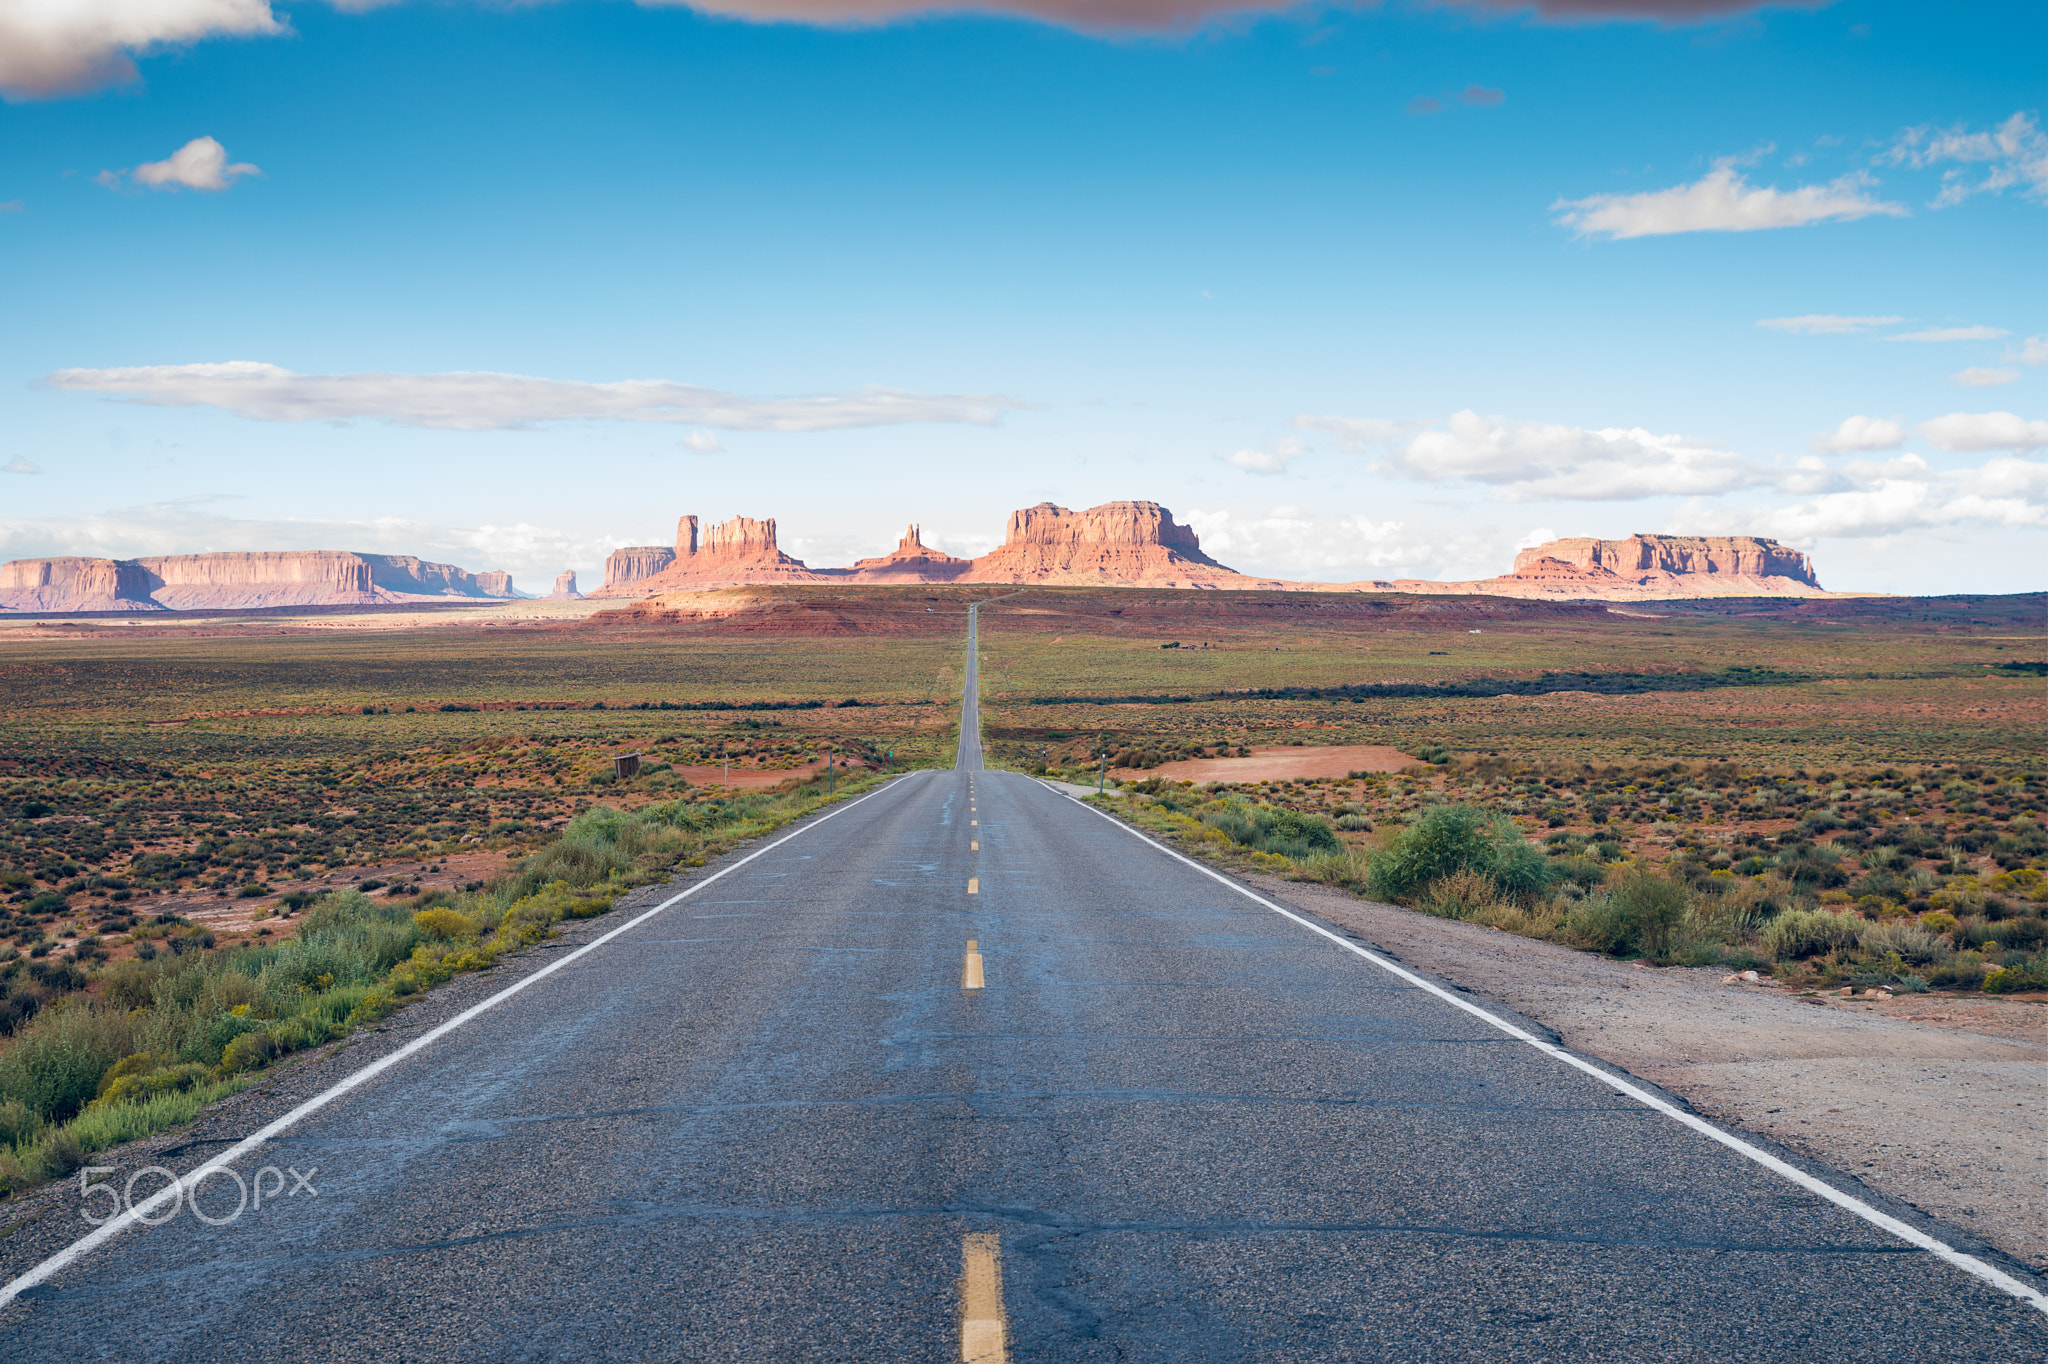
(1969, 1264)
(115, 1226)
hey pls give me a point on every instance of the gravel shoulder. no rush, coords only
(1937, 1101)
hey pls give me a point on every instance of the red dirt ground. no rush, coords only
(1279, 764)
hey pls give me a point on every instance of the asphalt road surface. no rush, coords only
(769, 1123)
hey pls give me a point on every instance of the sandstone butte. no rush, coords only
(1139, 544)
(240, 581)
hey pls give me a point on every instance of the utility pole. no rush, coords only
(828, 774)
(1102, 778)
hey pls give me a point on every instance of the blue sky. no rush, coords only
(1362, 292)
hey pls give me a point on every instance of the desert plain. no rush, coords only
(187, 784)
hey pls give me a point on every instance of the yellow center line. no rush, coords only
(970, 970)
(974, 846)
(984, 1334)
(974, 885)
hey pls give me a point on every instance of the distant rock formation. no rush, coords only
(232, 581)
(727, 554)
(1640, 568)
(635, 563)
(1134, 544)
(911, 562)
(565, 587)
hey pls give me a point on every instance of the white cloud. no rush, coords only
(1357, 433)
(1941, 334)
(1978, 377)
(201, 164)
(1903, 495)
(62, 47)
(18, 465)
(1272, 461)
(194, 525)
(2032, 351)
(11, 206)
(1826, 324)
(1857, 434)
(1534, 461)
(2015, 153)
(703, 442)
(482, 401)
(1721, 201)
(1287, 542)
(1974, 431)
(1542, 535)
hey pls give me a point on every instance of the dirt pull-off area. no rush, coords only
(1283, 763)
(1938, 1101)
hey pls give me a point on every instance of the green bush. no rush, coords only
(1911, 944)
(1284, 833)
(1799, 933)
(1455, 838)
(1639, 915)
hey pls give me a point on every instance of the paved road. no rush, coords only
(770, 1124)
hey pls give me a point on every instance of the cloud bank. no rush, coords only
(67, 47)
(51, 48)
(482, 401)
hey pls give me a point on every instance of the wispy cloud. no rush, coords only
(482, 401)
(199, 525)
(1721, 201)
(18, 465)
(11, 206)
(1860, 435)
(2032, 351)
(1976, 376)
(1939, 334)
(1272, 460)
(2015, 153)
(1826, 324)
(1482, 96)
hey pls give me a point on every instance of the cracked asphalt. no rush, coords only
(759, 1125)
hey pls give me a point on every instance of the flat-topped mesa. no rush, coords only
(630, 565)
(239, 581)
(912, 561)
(1137, 544)
(565, 587)
(1724, 556)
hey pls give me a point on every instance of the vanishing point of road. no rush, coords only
(964, 1069)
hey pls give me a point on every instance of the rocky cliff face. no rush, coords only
(216, 582)
(565, 587)
(1138, 544)
(70, 584)
(1722, 556)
